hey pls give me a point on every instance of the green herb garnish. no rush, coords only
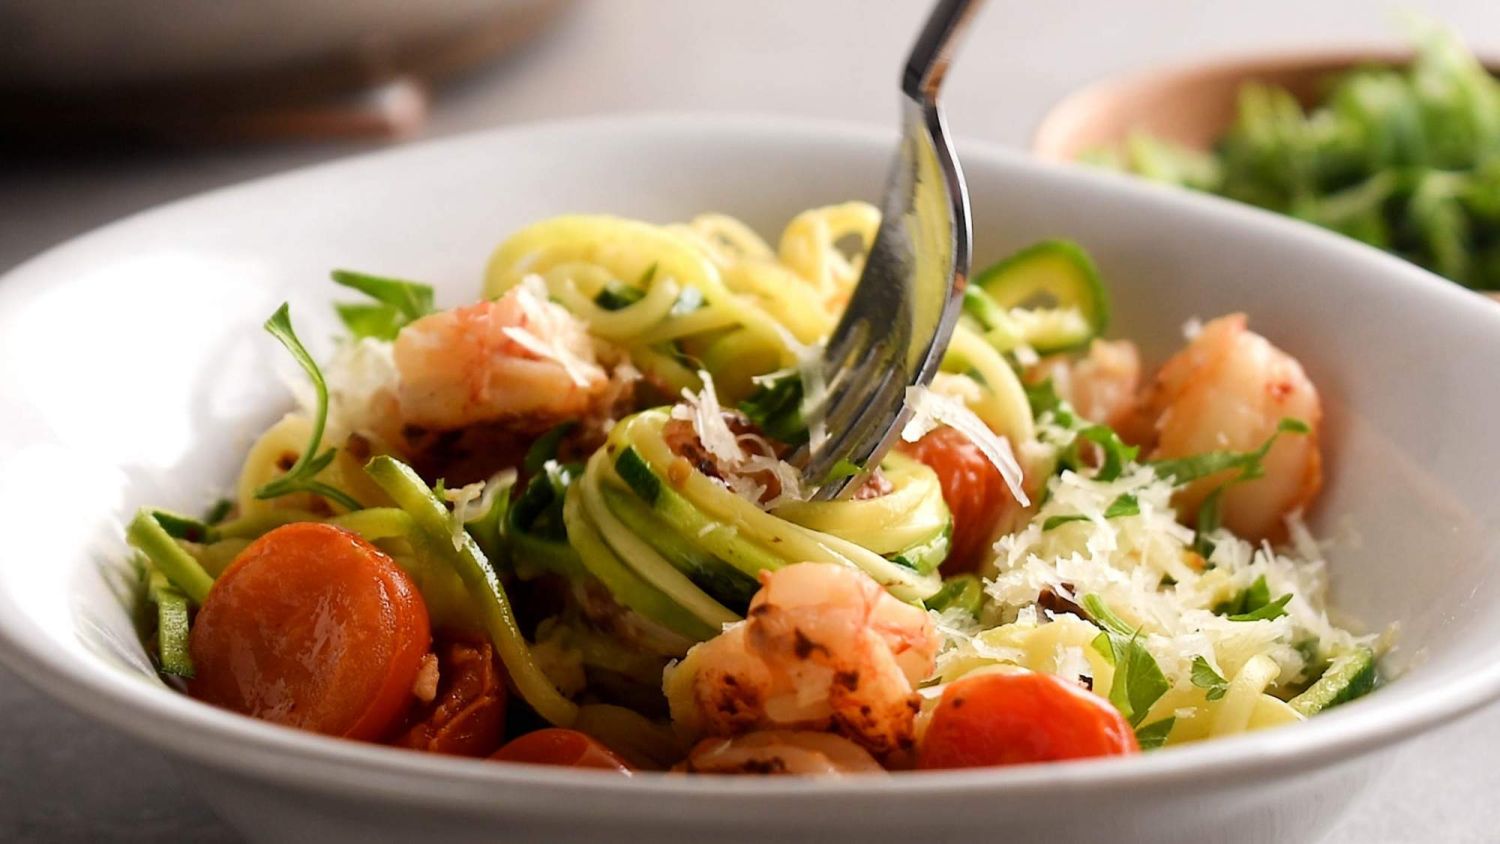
(1404, 159)
(1138, 682)
(1043, 399)
(1124, 505)
(1117, 455)
(776, 407)
(397, 303)
(1154, 734)
(1185, 470)
(614, 296)
(1254, 604)
(1205, 677)
(302, 477)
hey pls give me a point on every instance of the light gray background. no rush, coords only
(64, 779)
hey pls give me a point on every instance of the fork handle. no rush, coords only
(928, 62)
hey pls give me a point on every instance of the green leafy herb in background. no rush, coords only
(1407, 160)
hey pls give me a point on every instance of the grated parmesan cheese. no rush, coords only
(1141, 566)
(461, 501)
(471, 501)
(357, 375)
(931, 409)
(703, 412)
(559, 336)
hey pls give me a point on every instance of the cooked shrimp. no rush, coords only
(823, 648)
(779, 752)
(517, 359)
(1101, 386)
(1228, 390)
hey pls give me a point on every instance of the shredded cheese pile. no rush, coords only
(558, 335)
(1144, 569)
(702, 410)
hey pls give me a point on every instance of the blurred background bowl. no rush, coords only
(1193, 104)
(171, 65)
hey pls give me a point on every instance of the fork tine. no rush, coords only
(898, 322)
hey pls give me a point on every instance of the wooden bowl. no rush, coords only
(1191, 104)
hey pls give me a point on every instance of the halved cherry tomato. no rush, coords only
(311, 627)
(557, 746)
(1010, 719)
(467, 718)
(973, 489)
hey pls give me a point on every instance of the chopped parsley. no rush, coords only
(1124, 505)
(1254, 603)
(396, 304)
(1138, 682)
(1206, 678)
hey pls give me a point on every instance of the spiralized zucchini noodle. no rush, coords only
(580, 484)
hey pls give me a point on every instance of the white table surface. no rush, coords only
(65, 779)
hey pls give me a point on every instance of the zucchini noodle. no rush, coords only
(580, 257)
(992, 389)
(736, 533)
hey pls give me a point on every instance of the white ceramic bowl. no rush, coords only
(133, 370)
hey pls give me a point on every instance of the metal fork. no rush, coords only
(901, 316)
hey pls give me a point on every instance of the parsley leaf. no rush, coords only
(396, 303)
(1205, 677)
(1125, 505)
(1043, 398)
(1254, 604)
(1117, 455)
(1209, 519)
(615, 296)
(776, 407)
(302, 476)
(1154, 734)
(1275, 609)
(1185, 470)
(1103, 616)
(1138, 682)
(381, 322)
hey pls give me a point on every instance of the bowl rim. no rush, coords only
(184, 728)
(1050, 137)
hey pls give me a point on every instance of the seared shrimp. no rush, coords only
(779, 752)
(1227, 390)
(823, 648)
(517, 359)
(1101, 386)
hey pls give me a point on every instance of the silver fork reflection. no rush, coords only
(899, 320)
